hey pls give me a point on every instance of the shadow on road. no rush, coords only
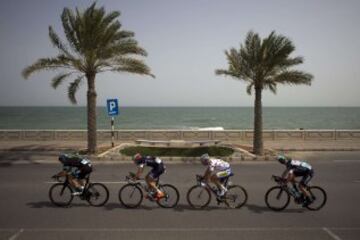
(112, 206)
(29, 153)
(178, 208)
(260, 209)
(185, 207)
(45, 204)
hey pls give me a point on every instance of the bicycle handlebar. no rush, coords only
(277, 178)
(133, 180)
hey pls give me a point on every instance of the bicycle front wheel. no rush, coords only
(235, 197)
(198, 197)
(318, 196)
(60, 195)
(277, 199)
(130, 195)
(97, 194)
(171, 198)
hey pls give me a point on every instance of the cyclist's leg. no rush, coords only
(151, 179)
(216, 179)
(82, 176)
(304, 181)
(74, 181)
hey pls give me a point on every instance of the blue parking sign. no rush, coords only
(112, 107)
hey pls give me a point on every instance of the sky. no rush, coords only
(185, 41)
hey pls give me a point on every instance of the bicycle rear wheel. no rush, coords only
(97, 194)
(130, 195)
(171, 198)
(319, 198)
(277, 199)
(235, 197)
(198, 197)
(60, 195)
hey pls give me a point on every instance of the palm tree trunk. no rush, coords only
(91, 113)
(258, 141)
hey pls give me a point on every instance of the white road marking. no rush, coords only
(331, 234)
(346, 161)
(181, 230)
(16, 235)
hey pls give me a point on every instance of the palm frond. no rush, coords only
(42, 64)
(68, 22)
(129, 47)
(249, 88)
(131, 65)
(72, 89)
(226, 73)
(293, 77)
(56, 41)
(272, 87)
(58, 79)
(110, 17)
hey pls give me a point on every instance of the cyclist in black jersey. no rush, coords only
(157, 168)
(296, 168)
(76, 168)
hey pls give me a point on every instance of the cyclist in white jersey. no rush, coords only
(216, 170)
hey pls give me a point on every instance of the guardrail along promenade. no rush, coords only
(224, 135)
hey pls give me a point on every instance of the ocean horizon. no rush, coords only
(177, 117)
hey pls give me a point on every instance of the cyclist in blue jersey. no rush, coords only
(157, 168)
(296, 168)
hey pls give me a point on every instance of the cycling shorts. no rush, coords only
(157, 171)
(224, 173)
(82, 172)
(306, 176)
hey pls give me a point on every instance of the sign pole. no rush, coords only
(112, 132)
(113, 110)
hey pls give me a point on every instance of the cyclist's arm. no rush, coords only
(288, 175)
(207, 174)
(63, 173)
(139, 171)
(285, 174)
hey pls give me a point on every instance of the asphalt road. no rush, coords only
(26, 213)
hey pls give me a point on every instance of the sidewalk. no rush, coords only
(31, 151)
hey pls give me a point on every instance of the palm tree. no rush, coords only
(95, 44)
(263, 64)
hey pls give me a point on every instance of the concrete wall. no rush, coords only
(244, 135)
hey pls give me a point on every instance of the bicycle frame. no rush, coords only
(284, 185)
(141, 183)
(67, 183)
(200, 179)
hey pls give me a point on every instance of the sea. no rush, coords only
(191, 118)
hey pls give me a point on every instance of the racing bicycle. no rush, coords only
(199, 196)
(61, 193)
(278, 197)
(132, 193)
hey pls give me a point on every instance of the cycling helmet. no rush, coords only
(62, 157)
(282, 159)
(137, 157)
(204, 158)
